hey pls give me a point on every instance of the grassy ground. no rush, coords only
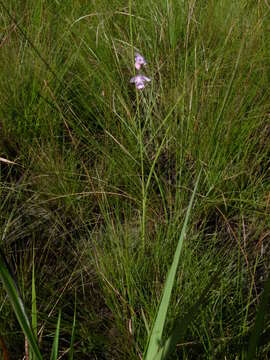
(104, 174)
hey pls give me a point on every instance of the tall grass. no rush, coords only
(100, 175)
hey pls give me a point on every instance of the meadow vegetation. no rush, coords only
(100, 175)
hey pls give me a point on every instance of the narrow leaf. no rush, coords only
(34, 300)
(181, 325)
(54, 352)
(71, 351)
(157, 331)
(18, 306)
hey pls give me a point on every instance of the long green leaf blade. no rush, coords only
(54, 352)
(156, 335)
(181, 325)
(18, 306)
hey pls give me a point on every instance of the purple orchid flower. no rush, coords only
(139, 81)
(139, 61)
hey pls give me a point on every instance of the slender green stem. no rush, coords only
(144, 195)
(140, 135)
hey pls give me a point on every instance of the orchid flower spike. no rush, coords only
(139, 81)
(139, 61)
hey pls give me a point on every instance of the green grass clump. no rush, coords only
(100, 176)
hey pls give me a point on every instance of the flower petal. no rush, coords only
(139, 81)
(145, 78)
(140, 85)
(139, 59)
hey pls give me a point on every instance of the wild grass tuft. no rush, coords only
(96, 177)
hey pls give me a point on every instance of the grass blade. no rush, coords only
(18, 306)
(37, 52)
(34, 300)
(156, 334)
(34, 304)
(181, 325)
(54, 353)
(259, 322)
(71, 351)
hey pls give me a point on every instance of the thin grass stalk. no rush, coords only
(140, 135)
(34, 298)
(34, 304)
(71, 351)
